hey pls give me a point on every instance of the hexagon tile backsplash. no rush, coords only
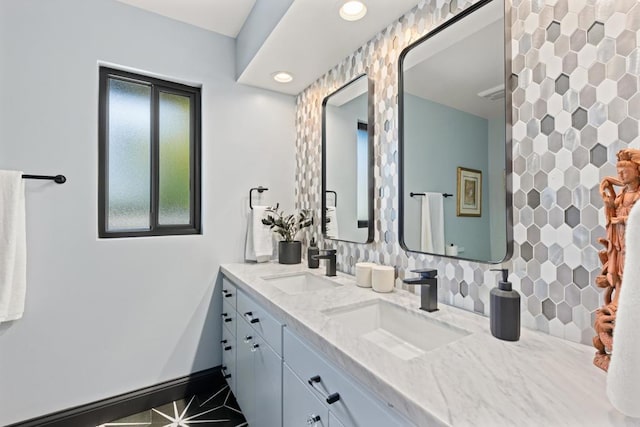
(576, 74)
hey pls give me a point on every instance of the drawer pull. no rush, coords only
(226, 317)
(247, 338)
(315, 379)
(249, 316)
(226, 293)
(331, 398)
(254, 348)
(225, 375)
(312, 419)
(224, 346)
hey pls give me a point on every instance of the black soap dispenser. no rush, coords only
(311, 251)
(504, 309)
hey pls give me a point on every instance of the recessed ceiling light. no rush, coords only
(282, 77)
(353, 10)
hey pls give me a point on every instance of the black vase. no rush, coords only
(290, 252)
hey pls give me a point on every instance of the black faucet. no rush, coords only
(330, 256)
(429, 292)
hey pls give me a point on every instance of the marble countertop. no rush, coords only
(476, 380)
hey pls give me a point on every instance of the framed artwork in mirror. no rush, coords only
(469, 192)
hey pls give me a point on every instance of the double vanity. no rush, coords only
(305, 349)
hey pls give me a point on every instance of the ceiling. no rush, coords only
(222, 16)
(307, 41)
(439, 68)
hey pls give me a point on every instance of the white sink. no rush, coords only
(299, 283)
(403, 333)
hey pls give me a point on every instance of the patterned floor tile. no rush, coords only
(217, 408)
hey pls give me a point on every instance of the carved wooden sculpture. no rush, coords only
(617, 208)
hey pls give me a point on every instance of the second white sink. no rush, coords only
(403, 333)
(299, 283)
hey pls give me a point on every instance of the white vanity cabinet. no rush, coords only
(349, 405)
(256, 368)
(281, 381)
(333, 421)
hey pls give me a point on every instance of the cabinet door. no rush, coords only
(333, 421)
(245, 376)
(300, 406)
(228, 346)
(268, 390)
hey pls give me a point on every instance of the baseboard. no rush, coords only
(113, 408)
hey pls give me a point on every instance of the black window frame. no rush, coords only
(157, 86)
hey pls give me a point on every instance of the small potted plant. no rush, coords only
(288, 227)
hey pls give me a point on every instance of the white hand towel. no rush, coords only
(13, 246)
(259, 245)
(432, 224)
(332, 225)
(623, 378)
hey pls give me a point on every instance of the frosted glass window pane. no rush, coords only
(174, 138)
(129, 158)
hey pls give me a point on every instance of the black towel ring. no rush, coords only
(260, 189)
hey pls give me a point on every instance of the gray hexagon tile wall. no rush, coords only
(576, 67)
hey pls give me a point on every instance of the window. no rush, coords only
(149, 157)
(362, 174)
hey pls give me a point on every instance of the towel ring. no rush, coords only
(335, 198)
(260, 189)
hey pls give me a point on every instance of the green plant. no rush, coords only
(287, 226)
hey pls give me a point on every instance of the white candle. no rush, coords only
(363, 274)
(383, 278)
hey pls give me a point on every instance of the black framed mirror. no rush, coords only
(455, 138)
(347, 162)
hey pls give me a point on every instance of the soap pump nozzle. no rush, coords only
(503, 284)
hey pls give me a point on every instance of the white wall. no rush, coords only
(433, 149)
(105, 317)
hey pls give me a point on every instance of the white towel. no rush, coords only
(623, 378)
(259, 246)
(13, 246)
(432, 224)
(332, 225)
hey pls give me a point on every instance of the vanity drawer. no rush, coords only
(299, 405)
(229, 292)
(229, 315)
(355, 407)
(262, 322)
(228, 345)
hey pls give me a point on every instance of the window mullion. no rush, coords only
(155, 157)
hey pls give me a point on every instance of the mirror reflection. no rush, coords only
(453, 146)
(347, 163)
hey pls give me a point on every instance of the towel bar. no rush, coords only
(59, 179)
(423, 194)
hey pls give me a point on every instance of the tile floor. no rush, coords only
(218, 408)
